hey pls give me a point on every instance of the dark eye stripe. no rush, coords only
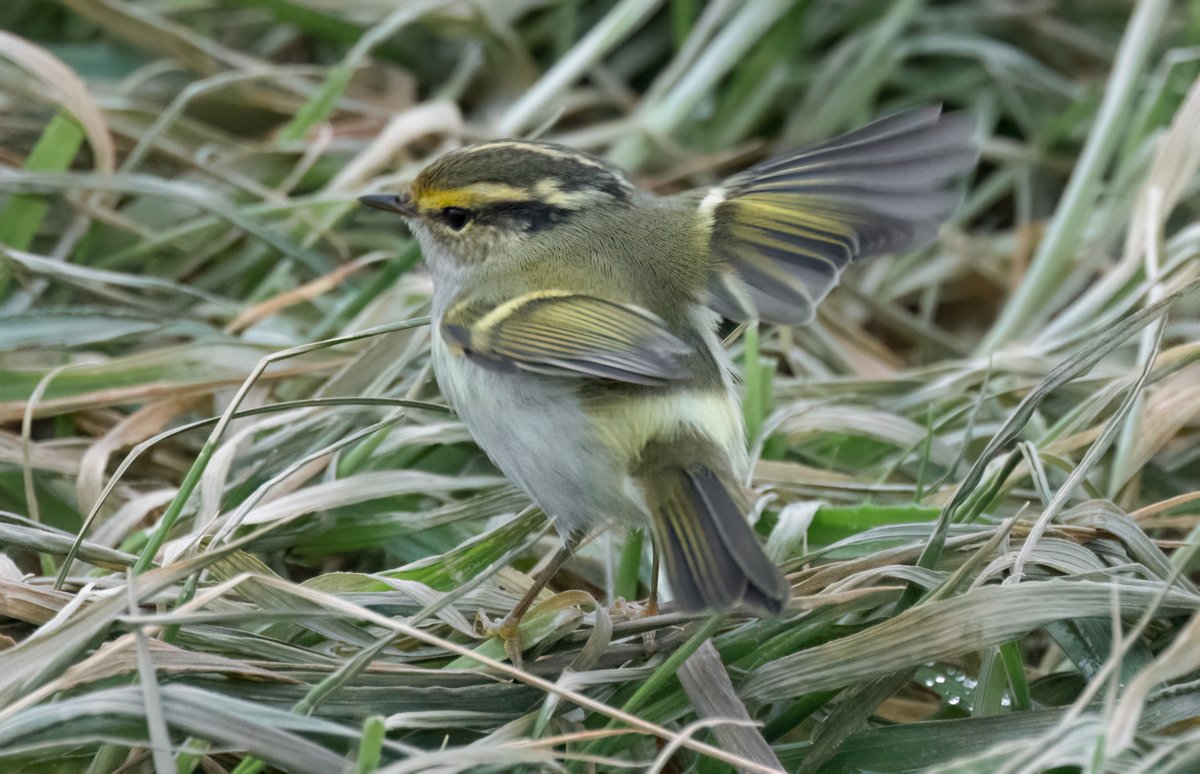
(530, 215)
(456, 217)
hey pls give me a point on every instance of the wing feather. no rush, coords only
(783, 231)
(568, 334)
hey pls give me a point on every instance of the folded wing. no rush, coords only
(783, 231)
(567, 334)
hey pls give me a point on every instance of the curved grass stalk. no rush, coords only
(1027, 308)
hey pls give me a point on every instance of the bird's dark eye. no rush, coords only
(456, 217)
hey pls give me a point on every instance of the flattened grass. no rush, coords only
(240, 531)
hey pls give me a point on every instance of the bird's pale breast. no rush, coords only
(574, 461)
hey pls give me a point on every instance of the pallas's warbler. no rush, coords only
(576, 319)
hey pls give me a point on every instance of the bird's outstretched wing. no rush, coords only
(783, 231)
(567, 334)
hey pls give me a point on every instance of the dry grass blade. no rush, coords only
(707, 683)
(989, 615)
(49, 542)
(318, 547)
(66, 88)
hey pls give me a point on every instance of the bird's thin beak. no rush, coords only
(401, 205)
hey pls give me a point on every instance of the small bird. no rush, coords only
(575, 320)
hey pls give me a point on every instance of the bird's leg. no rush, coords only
(509, 629)
(652, 602)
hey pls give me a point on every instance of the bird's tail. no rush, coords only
(712, 557)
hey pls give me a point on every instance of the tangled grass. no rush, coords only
(240, 531)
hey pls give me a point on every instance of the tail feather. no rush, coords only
(712, 557)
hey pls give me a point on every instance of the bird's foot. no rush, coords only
(632, 610)
(508, 629)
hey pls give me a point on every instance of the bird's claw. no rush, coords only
(509, 632)
(508, 629)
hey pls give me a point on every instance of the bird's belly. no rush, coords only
(574, 463)
(536, 431)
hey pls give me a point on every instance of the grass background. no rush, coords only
(240, 532)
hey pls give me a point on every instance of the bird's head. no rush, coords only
(476, 202)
